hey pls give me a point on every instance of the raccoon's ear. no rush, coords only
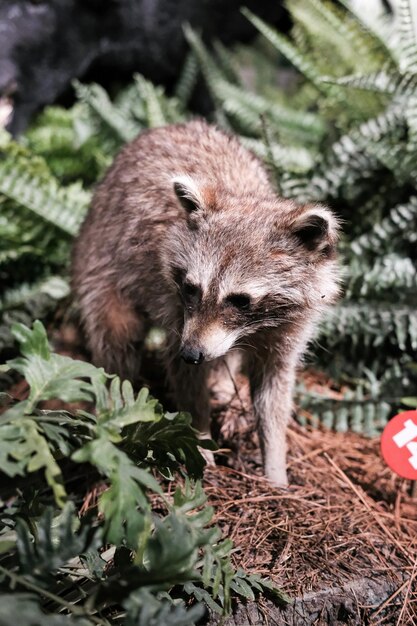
(188, 193)
(317, 229)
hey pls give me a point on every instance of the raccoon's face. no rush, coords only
(242, 265)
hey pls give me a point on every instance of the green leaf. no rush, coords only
(50, 375)
(130, 410)
(97, 98)
(26, 181)
(124, 504)
(409, 401)
(143, 609)
(55, 541)
(284, 45)
(24, 448)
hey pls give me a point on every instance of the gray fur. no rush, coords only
(186, 232)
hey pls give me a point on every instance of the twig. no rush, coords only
(309, 455)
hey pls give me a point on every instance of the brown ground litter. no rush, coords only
(345, 516)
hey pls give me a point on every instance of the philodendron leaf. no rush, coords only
(143, 608)
(54, 541)
(170, 441)
(124, 504)
(127, 410)
(51, 375)
(24, 448)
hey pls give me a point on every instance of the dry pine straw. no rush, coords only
(344, 516)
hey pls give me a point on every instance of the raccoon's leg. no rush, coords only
(272, 380)
(114, 330)
(189, 384)
(222, 378)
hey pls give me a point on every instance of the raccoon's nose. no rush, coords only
(191, 355)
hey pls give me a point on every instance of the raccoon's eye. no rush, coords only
(239, 301)
(178, 274)
(191, 294)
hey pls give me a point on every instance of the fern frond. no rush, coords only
(395, 155)
(97, 99)
(227, 62)
(370, 50)
(29, 184)
(53, 286)
(144, 105)
(311, 57)
(408, 41)
(292, 159)
(411, 117)
(154, 115)
(391, 276)
(53, 131)
(246, 109)
(55, 136)
(381, 82)
(399, 225)
(287, 49)
(358, 411)
(375, 28)
(211, 72)
(188, 79)
(370, 326)
(328, 27)
(347, 162)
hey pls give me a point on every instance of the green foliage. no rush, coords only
(143, 609)
(139, 548)
(57, 542)
(360, 410)
(56, 137)
(139, 106)
(38, 218)
(28, 183)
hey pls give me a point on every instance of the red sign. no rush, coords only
(399, 444)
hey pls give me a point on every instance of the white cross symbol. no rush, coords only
(406, 437)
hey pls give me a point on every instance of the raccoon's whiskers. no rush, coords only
(263, 322)
(241, 344)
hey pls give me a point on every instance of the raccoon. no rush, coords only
(187, 233)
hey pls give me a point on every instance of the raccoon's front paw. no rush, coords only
(222, 390)
(208, 456)
(277, 476)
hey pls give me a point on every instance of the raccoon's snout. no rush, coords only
(191, 355)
